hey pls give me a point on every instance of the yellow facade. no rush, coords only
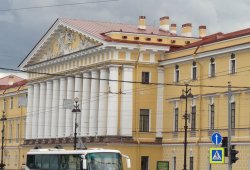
(149, 54)
(207, 90)
(13, 105)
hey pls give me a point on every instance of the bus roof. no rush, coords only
(63, 151)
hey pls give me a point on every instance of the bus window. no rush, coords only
(53, 162)
(45, 161)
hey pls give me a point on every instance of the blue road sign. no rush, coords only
(216, 138)
(217, 155)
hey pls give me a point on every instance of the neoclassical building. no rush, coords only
(129, 79)
(113, 69)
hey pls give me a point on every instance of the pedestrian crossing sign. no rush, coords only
(216, 155)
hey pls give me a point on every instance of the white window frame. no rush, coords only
(11, 102)
(210, 69)
(230, 65)
(17, 131)
(4, 104)
(211, 102)
(191, 118)
(149, 121)
(174, 120)
(175, 74)
(192, 77)
(149, 77)
(10, 131)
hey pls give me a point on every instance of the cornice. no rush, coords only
(206, 54)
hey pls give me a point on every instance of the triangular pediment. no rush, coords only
(61, 39)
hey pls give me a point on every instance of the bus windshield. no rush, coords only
(104, 161)
(95, 161)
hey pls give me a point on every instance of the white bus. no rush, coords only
(89, 159)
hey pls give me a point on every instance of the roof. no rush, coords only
(11, 81)
(98, 28)
(216, 38)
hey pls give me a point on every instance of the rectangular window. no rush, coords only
(145, 77)
(144, 163)
(17, 132)
(193, 118)
(194, 73)
(144, 120)
(10, 131)
(176, 113)
(232, 66)
(212, 69)
(191, 163)
(233, 115)
(177, 75)
(174, 163)
(11, 103)
(211, 126)
(4, 104)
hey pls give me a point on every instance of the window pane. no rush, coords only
(145, 77)
(212, 116)
(177, 75)
(233, 66)
(212, 71)
(233, 114)
(144, 120)
(193, 116)
(194, 76)
(176, 110)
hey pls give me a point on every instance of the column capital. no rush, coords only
(128, 67)
(86, 74)
(160, 69)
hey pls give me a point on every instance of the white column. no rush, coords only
(103, 101)
(78, 94)
(61, 115)
(160, 100)
(112, 119)
(35, 111)
(29, 112)
(48, 109)
(55, 109)
(126, 119)
(69, 115)
(41, 110)
(85, 104)
(94, 103)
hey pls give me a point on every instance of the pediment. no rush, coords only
(60, 40)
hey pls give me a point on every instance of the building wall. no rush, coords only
(14, 125)
(205, 89)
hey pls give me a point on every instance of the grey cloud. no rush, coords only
(21, 30)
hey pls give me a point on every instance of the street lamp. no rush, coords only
(2, 165)
(185, 95)
(75, 110)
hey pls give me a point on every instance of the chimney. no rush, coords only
(202, 31)
(164, 23)
(142, 23)
(173, 28)
(186, 30)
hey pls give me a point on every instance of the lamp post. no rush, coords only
(2, 165)
(185, 95)
(75, 110)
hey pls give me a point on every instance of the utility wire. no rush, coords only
(135, 82)
(57, 5)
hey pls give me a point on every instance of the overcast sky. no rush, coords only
(20, 30)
